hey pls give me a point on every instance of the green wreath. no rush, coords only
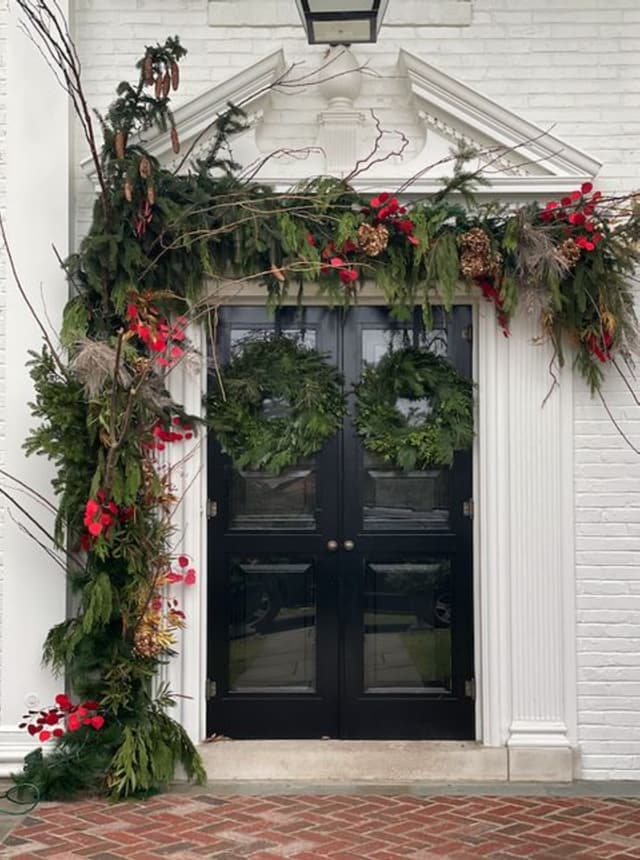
(276, 402)
(412, 439)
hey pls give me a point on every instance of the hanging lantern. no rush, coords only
(342, 22)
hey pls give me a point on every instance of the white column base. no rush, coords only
(541, 764)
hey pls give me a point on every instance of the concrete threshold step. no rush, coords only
(327, 761)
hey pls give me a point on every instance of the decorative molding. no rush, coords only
(465, 107)
(532, 162)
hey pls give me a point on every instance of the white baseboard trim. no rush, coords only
(14, 746)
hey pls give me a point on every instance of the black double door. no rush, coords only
(340, 591)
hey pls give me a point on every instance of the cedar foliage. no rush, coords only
(158, 236)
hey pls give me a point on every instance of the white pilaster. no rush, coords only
(187, 671)
(37, 217)
(537, 529)
(491, 546)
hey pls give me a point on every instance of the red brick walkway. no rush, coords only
(341, 827)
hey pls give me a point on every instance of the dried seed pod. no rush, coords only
(175, 75)
(147, 70)
(151, 194)
(145, 168)
(128, 190)
(175, 140)
(120, 143)
(158, 91)
(166, 85)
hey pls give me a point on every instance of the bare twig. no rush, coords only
(616, 424)
(47, 28)
(27, 301)
(364, 164)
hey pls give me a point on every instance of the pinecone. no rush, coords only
(144, 643)
(151, 195)
(175, 75)
(144, 168)
(476, 259)
(166, 85)
(569, 252)
(128, 191)
(373, 240)
(119, 144)
(476, 241)
(175, 140)
(147, 70)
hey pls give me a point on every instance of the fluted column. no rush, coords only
(539, 531)
(525, 560)
(187, 461)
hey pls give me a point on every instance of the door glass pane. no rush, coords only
(395, 499)
(407, 627)
(272, 625)
(260, 501)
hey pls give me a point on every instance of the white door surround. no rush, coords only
(523, 567)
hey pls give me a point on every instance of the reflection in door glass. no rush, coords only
(272, 625)
(395, 499)
(307, 337)
(260, 501)
(407, 627)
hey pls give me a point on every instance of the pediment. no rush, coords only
(300, 126)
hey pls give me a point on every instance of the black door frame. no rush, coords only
(355, 714)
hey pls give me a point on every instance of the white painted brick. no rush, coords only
(572, 63)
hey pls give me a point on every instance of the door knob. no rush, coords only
(332, 545)
(349, 545)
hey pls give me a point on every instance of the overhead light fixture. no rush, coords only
(342, 22)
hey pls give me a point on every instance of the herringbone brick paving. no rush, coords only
(340, 827)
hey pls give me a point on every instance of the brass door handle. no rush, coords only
(349, 545)
(332, 545)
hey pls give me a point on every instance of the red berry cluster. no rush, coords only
(386, 210)
(576, 212)
(51, 722)
(382, 209)
(100, 515)
(493, 294)
(163, 339)
(162, 436)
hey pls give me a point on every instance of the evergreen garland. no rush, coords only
(156, 238)
(414, 440)
(281, 372)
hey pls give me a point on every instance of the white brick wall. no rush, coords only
(3, 273)
(573, 65)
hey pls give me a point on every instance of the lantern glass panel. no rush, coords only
(341, 6)
(342, 32)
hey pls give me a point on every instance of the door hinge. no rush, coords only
(468, 508)
(467, 333)
(470, 689)
(211, 689)
(212, 509)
